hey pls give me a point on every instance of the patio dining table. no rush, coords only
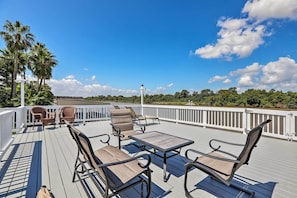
(168, 145)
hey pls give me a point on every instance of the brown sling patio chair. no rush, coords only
(41, 114)
(111, 169)
(141, 120)
(122, 125)
(68, 114)
(222, 165)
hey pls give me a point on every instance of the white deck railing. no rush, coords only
(284, 123)
(6, 126)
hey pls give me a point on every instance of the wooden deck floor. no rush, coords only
(47, 157)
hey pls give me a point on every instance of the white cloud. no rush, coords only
(280, 75)
(236, 37)
(93, 78)
(245, 81)
(69, 86)
(282, 71)
(227, 81)
(266, 9)
(247, 75)
(217, 78)
(250, 70)
(70, 77)
(240, 37)
(159, 90)
(170, 85)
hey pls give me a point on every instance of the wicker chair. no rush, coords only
(68, 114)
(41, 114)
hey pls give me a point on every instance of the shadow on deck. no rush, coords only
(21, 172)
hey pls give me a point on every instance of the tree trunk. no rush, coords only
(14, 76)
(40, 84)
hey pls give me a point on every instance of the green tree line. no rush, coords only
(253, 98)
(23, 53)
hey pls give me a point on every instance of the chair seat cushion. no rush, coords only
(121, 173)
(223, 168)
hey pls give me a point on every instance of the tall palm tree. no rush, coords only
(18, 39)
(41, 63)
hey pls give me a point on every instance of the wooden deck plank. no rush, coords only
(56, 183)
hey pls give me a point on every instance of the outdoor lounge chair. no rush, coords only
(68, 114)
(41, 114)
(111, 169)
(222, 165)
(122, 125)
(140, 118)
(116, 106)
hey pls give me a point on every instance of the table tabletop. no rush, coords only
(161, 141)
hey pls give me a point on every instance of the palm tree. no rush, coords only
(18, 40)
(41, 62)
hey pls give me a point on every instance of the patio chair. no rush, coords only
(122, 125)
(139, 118)
(116, 106)
(222, 165)
(111, 169)
(67, 113)
(41, 114)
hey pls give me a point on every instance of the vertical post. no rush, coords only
(141, 98)
(22, 90)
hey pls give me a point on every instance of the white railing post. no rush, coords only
(177, 115)
(84, 115)
(246, 119)
(141, 98)
(22, 90)
(204, 118)
(289, 126)
(20, 119)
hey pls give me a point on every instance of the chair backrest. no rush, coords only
(38, 110)
(122, 119)
(68, 111)
(85, 148)
(133, 114)
(74, 134)
(251, 141)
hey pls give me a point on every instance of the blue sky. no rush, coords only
(113, 46)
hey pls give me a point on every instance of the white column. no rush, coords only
(141, 98)
(22, 90)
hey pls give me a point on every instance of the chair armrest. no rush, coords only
(145, 156)
(210, 156)
(101, 135)
(116, 129)
(60, 113)
(39, 114)
(218, 148)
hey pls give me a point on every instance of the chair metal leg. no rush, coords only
(185, 183)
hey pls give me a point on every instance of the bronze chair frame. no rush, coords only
(100, 173)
